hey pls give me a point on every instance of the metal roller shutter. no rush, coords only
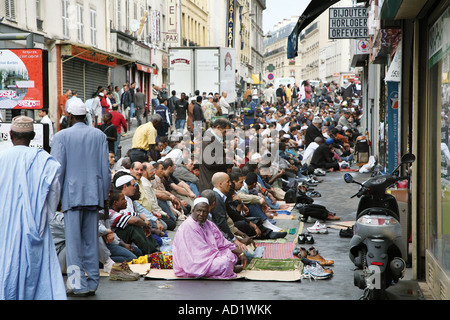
(73, 71)
(95, 75)
(84, 76)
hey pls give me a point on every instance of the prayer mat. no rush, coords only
(274, 264)
(253, 275)
(277, 250)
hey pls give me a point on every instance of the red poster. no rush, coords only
(22, 79)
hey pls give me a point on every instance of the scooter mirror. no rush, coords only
(348, 178)
(408, 158)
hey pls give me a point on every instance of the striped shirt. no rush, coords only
(120, 219)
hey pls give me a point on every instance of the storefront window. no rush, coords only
(444, 247)
(439, 64)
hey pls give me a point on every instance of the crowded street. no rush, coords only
(225, 158)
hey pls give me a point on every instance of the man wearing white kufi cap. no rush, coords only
(30, 193)
(83, 154)
(200, 249)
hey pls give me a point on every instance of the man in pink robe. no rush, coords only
(201, 251)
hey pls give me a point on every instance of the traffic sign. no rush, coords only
(270, 76)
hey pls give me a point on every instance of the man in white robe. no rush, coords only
(29, 267)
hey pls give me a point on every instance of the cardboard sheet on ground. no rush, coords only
(341, 224)
(253, 275)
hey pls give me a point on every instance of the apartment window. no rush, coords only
(93, 27)
(119, 13)
(10, 9)
(65, 17)
(80, 27)
(38, 9)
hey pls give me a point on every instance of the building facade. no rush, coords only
(408, 110)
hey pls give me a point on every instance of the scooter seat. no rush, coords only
(378, 211)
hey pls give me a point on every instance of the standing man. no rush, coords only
(132, 105)
(62, 103)
(126, 102)
(118, 120)
(85, 178)
(249, 111)
(30, 194)
(172, 104)
(110, 130)
(139, 105)
(43, 113)
(164, 112)
(180, 112)
(269, 95)
(213, 155)
(197, 113)
(224, 105)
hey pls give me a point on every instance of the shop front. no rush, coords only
(434, 150)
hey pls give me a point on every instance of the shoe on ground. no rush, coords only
(309, 239)
(316, 272)
(301, 239)
(318, 228)
(314, 255)
(122, 272)
(346, 233)
(71, 293)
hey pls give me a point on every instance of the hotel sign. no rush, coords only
(348, 23)
(171, 36)
(230, 23)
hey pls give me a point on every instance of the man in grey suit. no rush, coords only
(139, 105)
(85, 178)
(222, 184)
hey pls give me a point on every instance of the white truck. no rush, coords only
(206, 69)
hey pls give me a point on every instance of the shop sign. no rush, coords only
(439, 43)
(23, 79)
(348, 23)
(230, 23)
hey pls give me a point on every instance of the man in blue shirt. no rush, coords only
(249, 111)
(164, 112)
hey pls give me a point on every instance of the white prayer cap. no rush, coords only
(200, 200)
(256, 157)
(123, 179)
(77, 108)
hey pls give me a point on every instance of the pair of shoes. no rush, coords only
(314, 255)
(316, 272)
(313, 194)
(277, 235)
(122, 272)
(305, 238)
(347, 233)
(318, 228)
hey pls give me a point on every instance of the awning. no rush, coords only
(401, 9)
(312, 11)
(146, 69)
(256, 79)
(84, 52)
